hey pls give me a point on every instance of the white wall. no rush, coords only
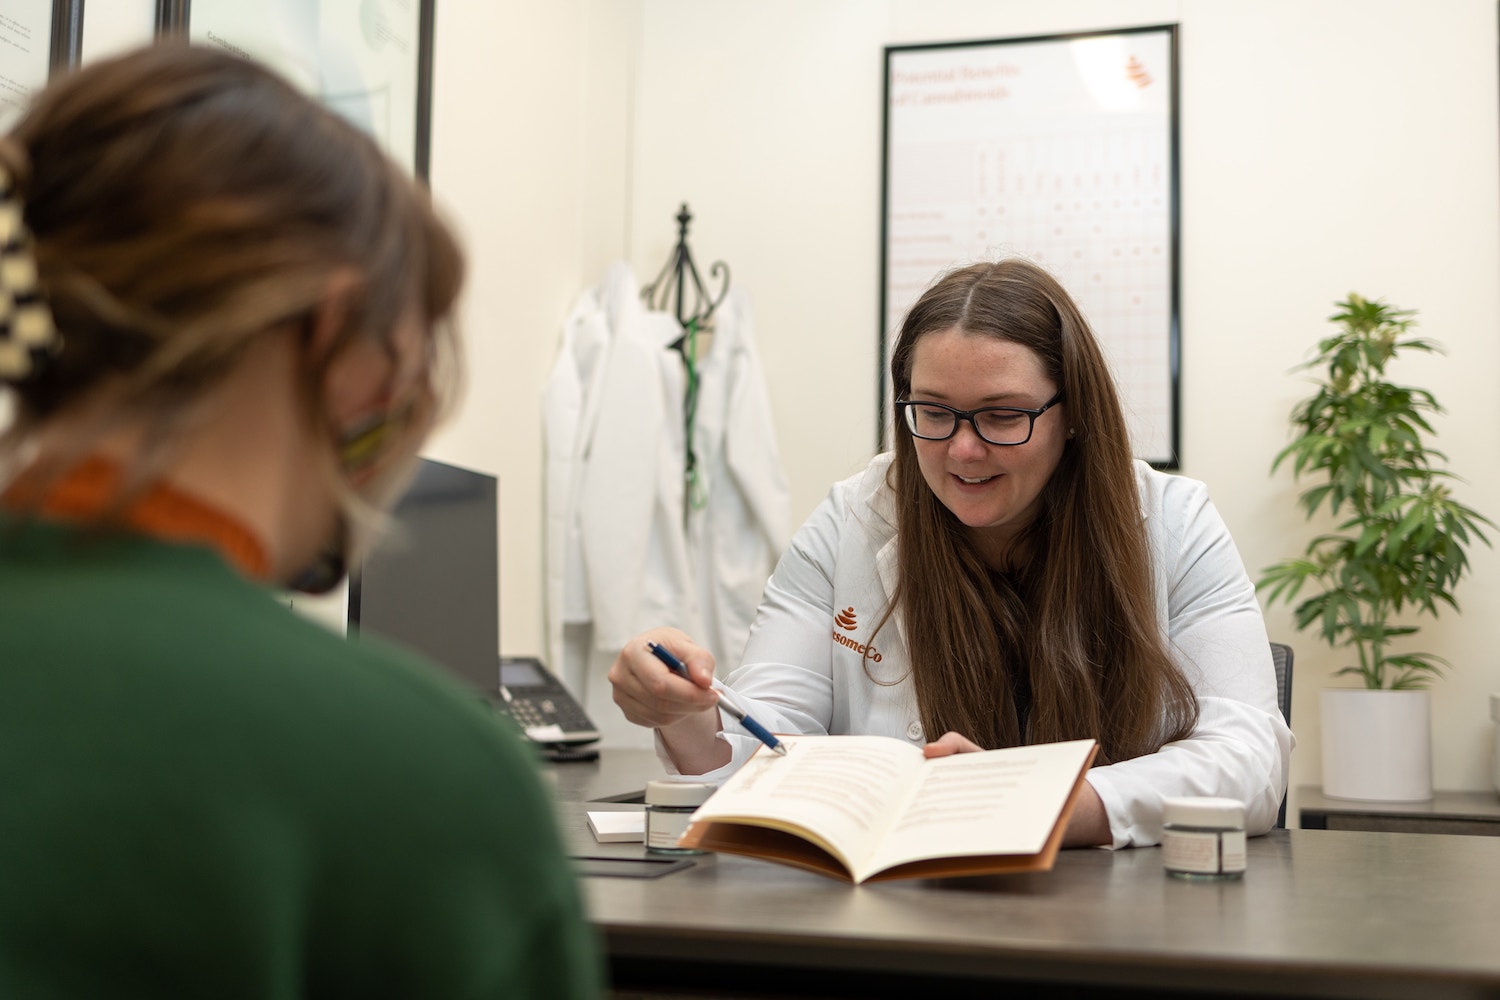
(1327, 146)
(765, 119)
(538, 194)
(1332, 147)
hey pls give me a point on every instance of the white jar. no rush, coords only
(669, 806)
(1203, 838)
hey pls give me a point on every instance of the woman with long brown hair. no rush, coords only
(1007, 575)
(224, 335)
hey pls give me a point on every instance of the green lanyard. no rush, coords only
(697, 496)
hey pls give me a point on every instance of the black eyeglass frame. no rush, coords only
(959, 416)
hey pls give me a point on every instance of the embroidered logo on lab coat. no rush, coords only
(848, 621)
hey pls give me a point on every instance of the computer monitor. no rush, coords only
(432, 583)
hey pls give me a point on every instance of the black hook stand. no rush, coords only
(679, 282)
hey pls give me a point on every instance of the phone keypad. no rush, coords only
(531, 713)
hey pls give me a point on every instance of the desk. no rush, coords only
(1318, 914)
(618, 775)
(1472, 813)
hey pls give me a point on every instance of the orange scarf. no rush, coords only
(87, 491)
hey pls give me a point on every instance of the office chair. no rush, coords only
(1281, 658)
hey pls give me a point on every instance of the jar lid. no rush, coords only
(678, 793)
(1203, 811)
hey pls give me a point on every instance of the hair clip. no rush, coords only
(28, 336)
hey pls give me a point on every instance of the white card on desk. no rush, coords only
(618, 827)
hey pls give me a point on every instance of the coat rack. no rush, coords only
(678, 284)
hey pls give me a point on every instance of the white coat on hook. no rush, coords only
(570, 407)
(621, 555)
(743, 520)
(617, 553)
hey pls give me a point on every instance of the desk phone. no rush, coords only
(541, 705)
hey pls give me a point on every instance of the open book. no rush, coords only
(871, 807)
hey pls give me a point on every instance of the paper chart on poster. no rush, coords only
(25, 54)
(1060, 150)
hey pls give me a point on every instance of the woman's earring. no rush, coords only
(1070, 432)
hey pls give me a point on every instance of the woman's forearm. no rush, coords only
(694, 745)
(1089, 824)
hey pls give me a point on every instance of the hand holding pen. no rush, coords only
(725, 701)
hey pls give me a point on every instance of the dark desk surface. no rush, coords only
(1474, 813)
(1318, 914)
(616, 774)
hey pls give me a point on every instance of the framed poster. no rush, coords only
(370, 60)
(1062, 149)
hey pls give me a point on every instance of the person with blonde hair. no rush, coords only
(224, 332)
(1007, 575)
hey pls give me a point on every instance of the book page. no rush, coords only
(995, 802)
(837, 790)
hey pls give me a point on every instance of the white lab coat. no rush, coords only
(804, 672)
(621, 556)
(744, 520)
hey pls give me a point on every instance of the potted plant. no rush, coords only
(1400, 544)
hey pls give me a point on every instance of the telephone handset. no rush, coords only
(541, 705)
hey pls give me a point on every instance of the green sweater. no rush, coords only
(202, 795)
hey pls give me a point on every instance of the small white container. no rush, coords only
(1203, 838)
(669, 806)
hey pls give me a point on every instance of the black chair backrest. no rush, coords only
(1281, 657)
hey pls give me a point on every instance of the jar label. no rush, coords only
(1203, 852)
(1232, 850)
(663, 827)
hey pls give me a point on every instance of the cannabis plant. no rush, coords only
(1401, 537)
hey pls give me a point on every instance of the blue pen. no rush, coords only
(760, 732)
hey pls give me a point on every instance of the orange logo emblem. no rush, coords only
(846, 620)
(1136, 73)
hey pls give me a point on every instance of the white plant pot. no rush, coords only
(1495, 761)
(1377, 745)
